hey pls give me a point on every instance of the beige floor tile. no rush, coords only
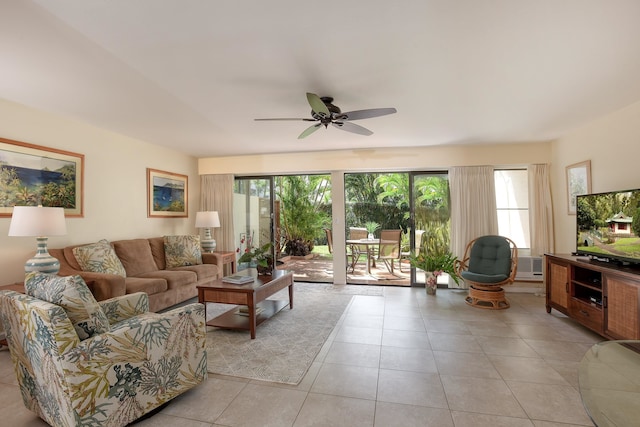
(546, 402)
(485, 396)
(327, 411)
(269, 406)
(539, 423)
(411, 388)
(402, 310)
(347, 353)
(363, 321)
(197, 404)
(162, 420)
(405, 339)
(568, 370)
(465, 364)
(559, 350)
(397, 415)
(359, 335)
(447, 326)
(538, 332)
(506, 346)
(404, 323)
(526, 369)
(491, 328)
(348, 381)
(454, 342)
(408, 359)
(469, 419)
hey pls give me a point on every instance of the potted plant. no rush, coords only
(261, 256)
(371, 227)
(433, 266)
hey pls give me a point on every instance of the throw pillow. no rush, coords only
(73, 295)
(182, 250)
(99, 258)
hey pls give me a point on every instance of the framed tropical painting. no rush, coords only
(167, 194)
(32, 175)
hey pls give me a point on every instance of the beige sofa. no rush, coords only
(145, 266)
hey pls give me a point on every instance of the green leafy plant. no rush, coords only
(261, 255)
(444, 262)
(371, 226)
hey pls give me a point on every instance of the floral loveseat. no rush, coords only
(167, 269)
(83, 362)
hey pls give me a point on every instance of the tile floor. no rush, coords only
(401, 359)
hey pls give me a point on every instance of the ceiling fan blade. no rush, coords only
(308, 131)
(350, 127)
(317, 105)
(367, 114)
(305, 120)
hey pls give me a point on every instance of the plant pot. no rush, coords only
(264, 271)
(430, 282)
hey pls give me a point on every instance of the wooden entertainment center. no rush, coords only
(602, 296)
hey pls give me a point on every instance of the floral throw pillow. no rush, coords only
(73, 295)
(99, 258)
(182, 250)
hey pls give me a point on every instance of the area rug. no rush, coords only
(286, 344)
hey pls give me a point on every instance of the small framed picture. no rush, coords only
(32, 175)
(578, 183)
(167, 194)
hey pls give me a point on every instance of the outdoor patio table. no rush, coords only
(364, 242)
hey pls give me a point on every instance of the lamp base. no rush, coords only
(208, 245)
(42, 262)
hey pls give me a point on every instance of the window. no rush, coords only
(512, 201)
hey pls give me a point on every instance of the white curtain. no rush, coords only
(540, 210)
(216, 194)
(473, 206)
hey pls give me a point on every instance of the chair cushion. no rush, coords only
(483, 278)
(490, 256)
(99, 257)
(72, 294)
(182, 250)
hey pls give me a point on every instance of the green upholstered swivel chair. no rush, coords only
(489, 263)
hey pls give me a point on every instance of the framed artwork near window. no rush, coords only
(32, 175)
(578, 183)
(167, 194)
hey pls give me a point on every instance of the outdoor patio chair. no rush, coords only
(489, 262)
(329, 239)
(389, 247)
(356, 233)
(406, 255)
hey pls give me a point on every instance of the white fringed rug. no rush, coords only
(286, 344)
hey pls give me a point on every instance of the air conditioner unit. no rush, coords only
(529, 268)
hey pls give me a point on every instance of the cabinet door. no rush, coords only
(621, 314)
(558, 283)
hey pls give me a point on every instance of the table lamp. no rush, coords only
(39, 222)
(207, 220)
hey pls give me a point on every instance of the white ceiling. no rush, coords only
(193, 74)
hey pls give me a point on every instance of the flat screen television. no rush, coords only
(608, 226)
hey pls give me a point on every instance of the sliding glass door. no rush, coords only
(430, 219)
(252, 214)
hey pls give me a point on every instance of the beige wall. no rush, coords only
(398, 159)
(115, 204)
(612, 144)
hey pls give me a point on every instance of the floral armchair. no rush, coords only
(80, 362)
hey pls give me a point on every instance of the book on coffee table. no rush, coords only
(237, 279)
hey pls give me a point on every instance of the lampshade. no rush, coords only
(207, 219)
(40, 222)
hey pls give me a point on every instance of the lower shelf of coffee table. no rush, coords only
(232, 320)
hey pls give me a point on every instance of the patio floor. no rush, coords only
(320, 269)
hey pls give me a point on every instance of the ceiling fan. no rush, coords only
(325, 113)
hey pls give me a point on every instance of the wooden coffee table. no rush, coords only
(253, 295)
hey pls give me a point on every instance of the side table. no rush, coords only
(226, 258)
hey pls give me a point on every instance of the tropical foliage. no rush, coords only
(15, 192)
(302, 217)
